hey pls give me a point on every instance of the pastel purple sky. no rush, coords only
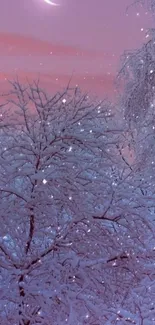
(83, 37)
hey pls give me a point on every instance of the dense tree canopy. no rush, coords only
(75, 226)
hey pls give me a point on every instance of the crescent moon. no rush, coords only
(49, 2)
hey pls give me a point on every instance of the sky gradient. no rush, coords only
(82, 38)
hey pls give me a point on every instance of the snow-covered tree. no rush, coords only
(149, 4)
(137, 103)
(137, 76)
(75, 227)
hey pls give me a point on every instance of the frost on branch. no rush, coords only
(75, 227)
(149, 4)
(138, 77)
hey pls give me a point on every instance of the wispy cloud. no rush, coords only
(30, 58)
(15, 44)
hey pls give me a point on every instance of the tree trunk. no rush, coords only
(22, 295)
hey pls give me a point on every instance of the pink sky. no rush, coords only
(83, 38)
